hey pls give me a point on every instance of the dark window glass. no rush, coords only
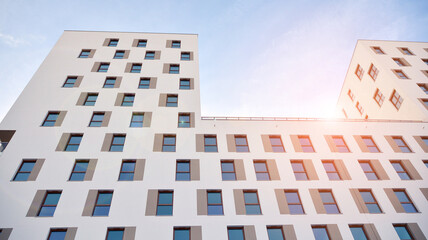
(49, 204)
(276, 144)
(119, 54)
(50, 119)
(340, 144)
(142, 43)
(329, 202)
(164, 204)
(358, 233)
(79, 171)
(57, 234)
(403, 232)
(73, 143)
(144, 83)
(370, 201)
(168, 143)
(136, 68)
(306, 144)
(183, 120)
(185, 84)
(109, 83)
(235, 233)
(183, 170)
(181, 233)
(275, 233)
(137, 120)
(91, 99)
(401, 171)
(320, 233)
(85, 54)
(228, 170)
(172, 101)
(294, 203)
(128, 100)
(102, 205)
(113, 42)
(185, 56)
(150, 55)
(69, 82)
(371, 145)
(97, 120)
(117, 143)
(24, 170)
(368, 170)
(176, 44)
(252, 205)
(241, 144)
(299, 170)
(262, 173)
(210, 143)
(405, 201)
(127, 170)
(103, 67)
(215, 204)
(331, 171)
(174, 68)
(115, 234)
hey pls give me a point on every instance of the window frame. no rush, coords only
(406, 227)
(396, 99)
(329, 203)
(423, 87)
(162, 204)
(123, 172)
(305, 146)
(235, 228)
(126, 102)
(369, 147)
(144, 85)
(341, 146)
(149, 55)
(102, 205)
(174, 69)
(372, 172)
(359, 226)
(252, 204)
(52, 230)
(321, 227)
(103, 67)
(329, 172)
(140, 43)
(186, 56)
(85, 53)
(402, 171)
(113, 42)
(20, 172)
(108, 84)
(293, 203)
(73, 170)
(47, 120)
(378, 50)
(359, 71)
(406, 51)
(73, 144)
(115, 229)
(175, 44)
(165, 146)
(263, 172)
(67, 83)
(136, 68)
(119, 54)
(373, 72)
(228, 172)
(186, 123)
(45, 205)
(182, 86)
(215, 204)
(172, 103)
(275, 148)
(90, 102)
(370, 203)
(277, 228)
(182, 229)
(400, 74)
(402, 146)
(210, 145)
(177, 172)
(96, 122)
(408, 202)
(114, 145)
(241, 146)
(299, 172)
(134, 123)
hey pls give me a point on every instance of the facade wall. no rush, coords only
(129, 207)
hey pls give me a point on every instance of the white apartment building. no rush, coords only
(107, 142)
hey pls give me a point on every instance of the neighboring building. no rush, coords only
(107, 142)
(386, 80)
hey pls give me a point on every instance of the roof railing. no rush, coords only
(302, 119)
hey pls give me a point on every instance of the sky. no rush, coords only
(275, 58)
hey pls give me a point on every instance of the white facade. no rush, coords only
(129, 207)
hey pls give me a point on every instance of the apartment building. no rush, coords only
(107, 141)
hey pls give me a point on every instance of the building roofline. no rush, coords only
(305, 119)
(371, 40)
(130, 32)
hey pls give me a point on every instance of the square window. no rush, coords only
(79, 170)
(165, 203)
(185, 84)
(50, 119)
(370, 201)
(252, 204)
(368, 170)
(423, 87)
(127, 170)
(24, 170)
(214, 202)
(103, 67)
(119, 54)
(275, 233)
(262, 173)
(128, 100)
(172, 100)
(57, 234)
(358, 232)
(185, 56)
(181, 233)
(73, 143)
(117, 143)
(136, 68)
(331, 170)
(235, 233)
(399, 141)
(294, 203)
(144, 83)
(359, 72)
(176, 44)
(400, 74)
(69, 82)
(399, 62)
(396, 99)
(359, 108)
(174, 68)
(113, 42)
(90, 100)
(115, 234)
(241, 143)
(320, 233)
(329, 202)
(110, 82)
(299, 170)
(150, 55)
(373, 72)
(103, 203)
(47, 209)
(228, 171)
(183, 120)
(351, 95)
(405, 201)
(183, 170)
(168, 143)
(97, 119)
(406, 51)
(276, 144)
(401, 171)
(85, 53)
(378, 97)
(142, 43)
(378, 50)
(403, 232)
(340, 144)
(210, 143)
(137, 120)
(371, 145)
(306, 144)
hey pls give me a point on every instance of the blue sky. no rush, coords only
(257, 58)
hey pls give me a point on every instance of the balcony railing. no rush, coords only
(302, 119)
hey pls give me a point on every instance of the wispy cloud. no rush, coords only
(11, 40)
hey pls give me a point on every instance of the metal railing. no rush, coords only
(302, 119)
